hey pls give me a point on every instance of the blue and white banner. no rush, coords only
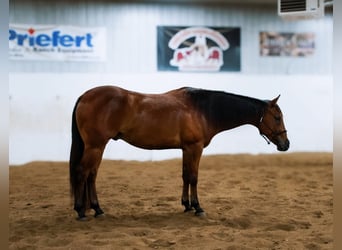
(57, 43)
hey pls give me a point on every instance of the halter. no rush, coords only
(273, 134)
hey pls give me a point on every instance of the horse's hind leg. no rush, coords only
(80, 193)
(87, 197)
(95, 153)
(191, 159)
(94, 203)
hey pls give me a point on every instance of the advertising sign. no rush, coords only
(206, 49)
(56, 43)
(286, 44)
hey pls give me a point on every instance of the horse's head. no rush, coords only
(271, 125)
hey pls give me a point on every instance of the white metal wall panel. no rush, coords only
(131, 33)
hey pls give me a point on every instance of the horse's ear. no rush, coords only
(274, 101)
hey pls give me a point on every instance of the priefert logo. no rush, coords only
(55, 39)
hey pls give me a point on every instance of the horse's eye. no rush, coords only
(277, 118)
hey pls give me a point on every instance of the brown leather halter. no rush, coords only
(272, 135)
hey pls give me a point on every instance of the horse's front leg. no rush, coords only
(191, 159)
(185, 194)
(194, 198)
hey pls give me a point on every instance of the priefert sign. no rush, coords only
(61, 43)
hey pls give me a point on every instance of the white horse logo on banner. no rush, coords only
(198, 56)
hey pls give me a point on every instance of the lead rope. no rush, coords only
(262, 135)
(266, 139)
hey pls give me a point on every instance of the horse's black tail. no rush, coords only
(76, 152)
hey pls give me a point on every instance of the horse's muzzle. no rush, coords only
(283, 145)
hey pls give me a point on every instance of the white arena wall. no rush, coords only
(42, 93)
(41, 106)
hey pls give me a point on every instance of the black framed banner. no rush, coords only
(198, 49)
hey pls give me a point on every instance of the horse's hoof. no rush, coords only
(188, 209)
(83, 218)
(102, 215)
(200, 213)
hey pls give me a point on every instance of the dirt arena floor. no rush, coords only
(278, 201)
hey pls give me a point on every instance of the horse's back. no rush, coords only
(103, 93)
(116, 93)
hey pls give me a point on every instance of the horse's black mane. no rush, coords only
(222, 107)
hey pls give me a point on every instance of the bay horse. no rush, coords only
(185, 118)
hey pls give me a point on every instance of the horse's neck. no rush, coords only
(235, 111)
